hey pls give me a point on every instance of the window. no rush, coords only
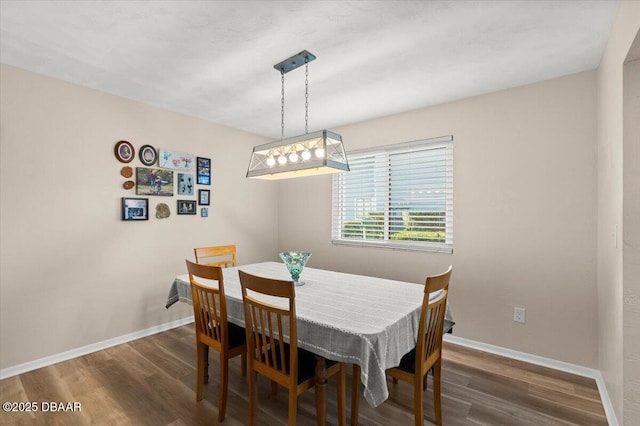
(398, 196)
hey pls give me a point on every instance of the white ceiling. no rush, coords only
(214, 59)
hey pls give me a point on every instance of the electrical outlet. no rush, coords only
(519, 315)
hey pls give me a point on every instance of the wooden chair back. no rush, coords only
(270, 318)
(430, 330)
(267, 325)
(209, 305)
(228, 253)
(213, 330)
(425, 356)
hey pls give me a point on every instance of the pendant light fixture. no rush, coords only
(315, 153)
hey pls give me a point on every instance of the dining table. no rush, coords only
(356, 319)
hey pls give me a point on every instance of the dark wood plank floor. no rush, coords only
(151, 381)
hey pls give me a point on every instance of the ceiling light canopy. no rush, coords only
(316, 153)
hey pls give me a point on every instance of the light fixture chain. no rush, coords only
(282, 106)
(306, 95)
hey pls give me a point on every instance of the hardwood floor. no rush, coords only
(151, 381)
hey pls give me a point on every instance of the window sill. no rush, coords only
(407, 246)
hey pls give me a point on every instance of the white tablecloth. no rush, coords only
(349, 318)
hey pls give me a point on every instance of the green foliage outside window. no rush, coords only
(416, 226)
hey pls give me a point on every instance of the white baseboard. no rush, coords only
(74, 353)
(544, 362)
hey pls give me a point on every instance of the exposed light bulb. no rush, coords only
(271, 161)
(293, 157)
(320, 152)
(282, 160)
(306, 155)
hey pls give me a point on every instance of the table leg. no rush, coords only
(355, 394)
(321, 390)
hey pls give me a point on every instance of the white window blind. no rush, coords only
(398, 196)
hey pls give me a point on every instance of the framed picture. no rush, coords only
(203, 197)
(135, 208)
(175, 160)
(186, 182)
(204, 171)
(186, 207)
(204, 212)
(154, 182)
(124, 152)
(148, 155)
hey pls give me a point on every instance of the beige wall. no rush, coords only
(631, 237)
(524, 220)
(72, 273)
(610, 205)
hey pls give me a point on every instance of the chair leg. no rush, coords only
(342, 395)
(437, 400)
(253, 398)
(200, 369)
(293, 407)
(206, 364)
(418, 410)
(355, 394)
(224, 385)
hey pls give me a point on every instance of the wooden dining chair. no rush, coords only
(267, 326)
(213, 330)
(206, 255)
(427, 355)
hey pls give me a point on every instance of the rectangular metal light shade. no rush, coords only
(316, 153)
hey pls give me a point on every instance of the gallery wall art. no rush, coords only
(160, 180)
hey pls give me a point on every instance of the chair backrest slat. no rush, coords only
(258, 348)
(270, 330)
(282, 347)
(435, 324)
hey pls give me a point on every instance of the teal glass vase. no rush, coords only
(295, 261)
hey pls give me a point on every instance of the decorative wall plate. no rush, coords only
(148, 155)
(126, 171)
(162, 211)
(128, 184)
(124, 152)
